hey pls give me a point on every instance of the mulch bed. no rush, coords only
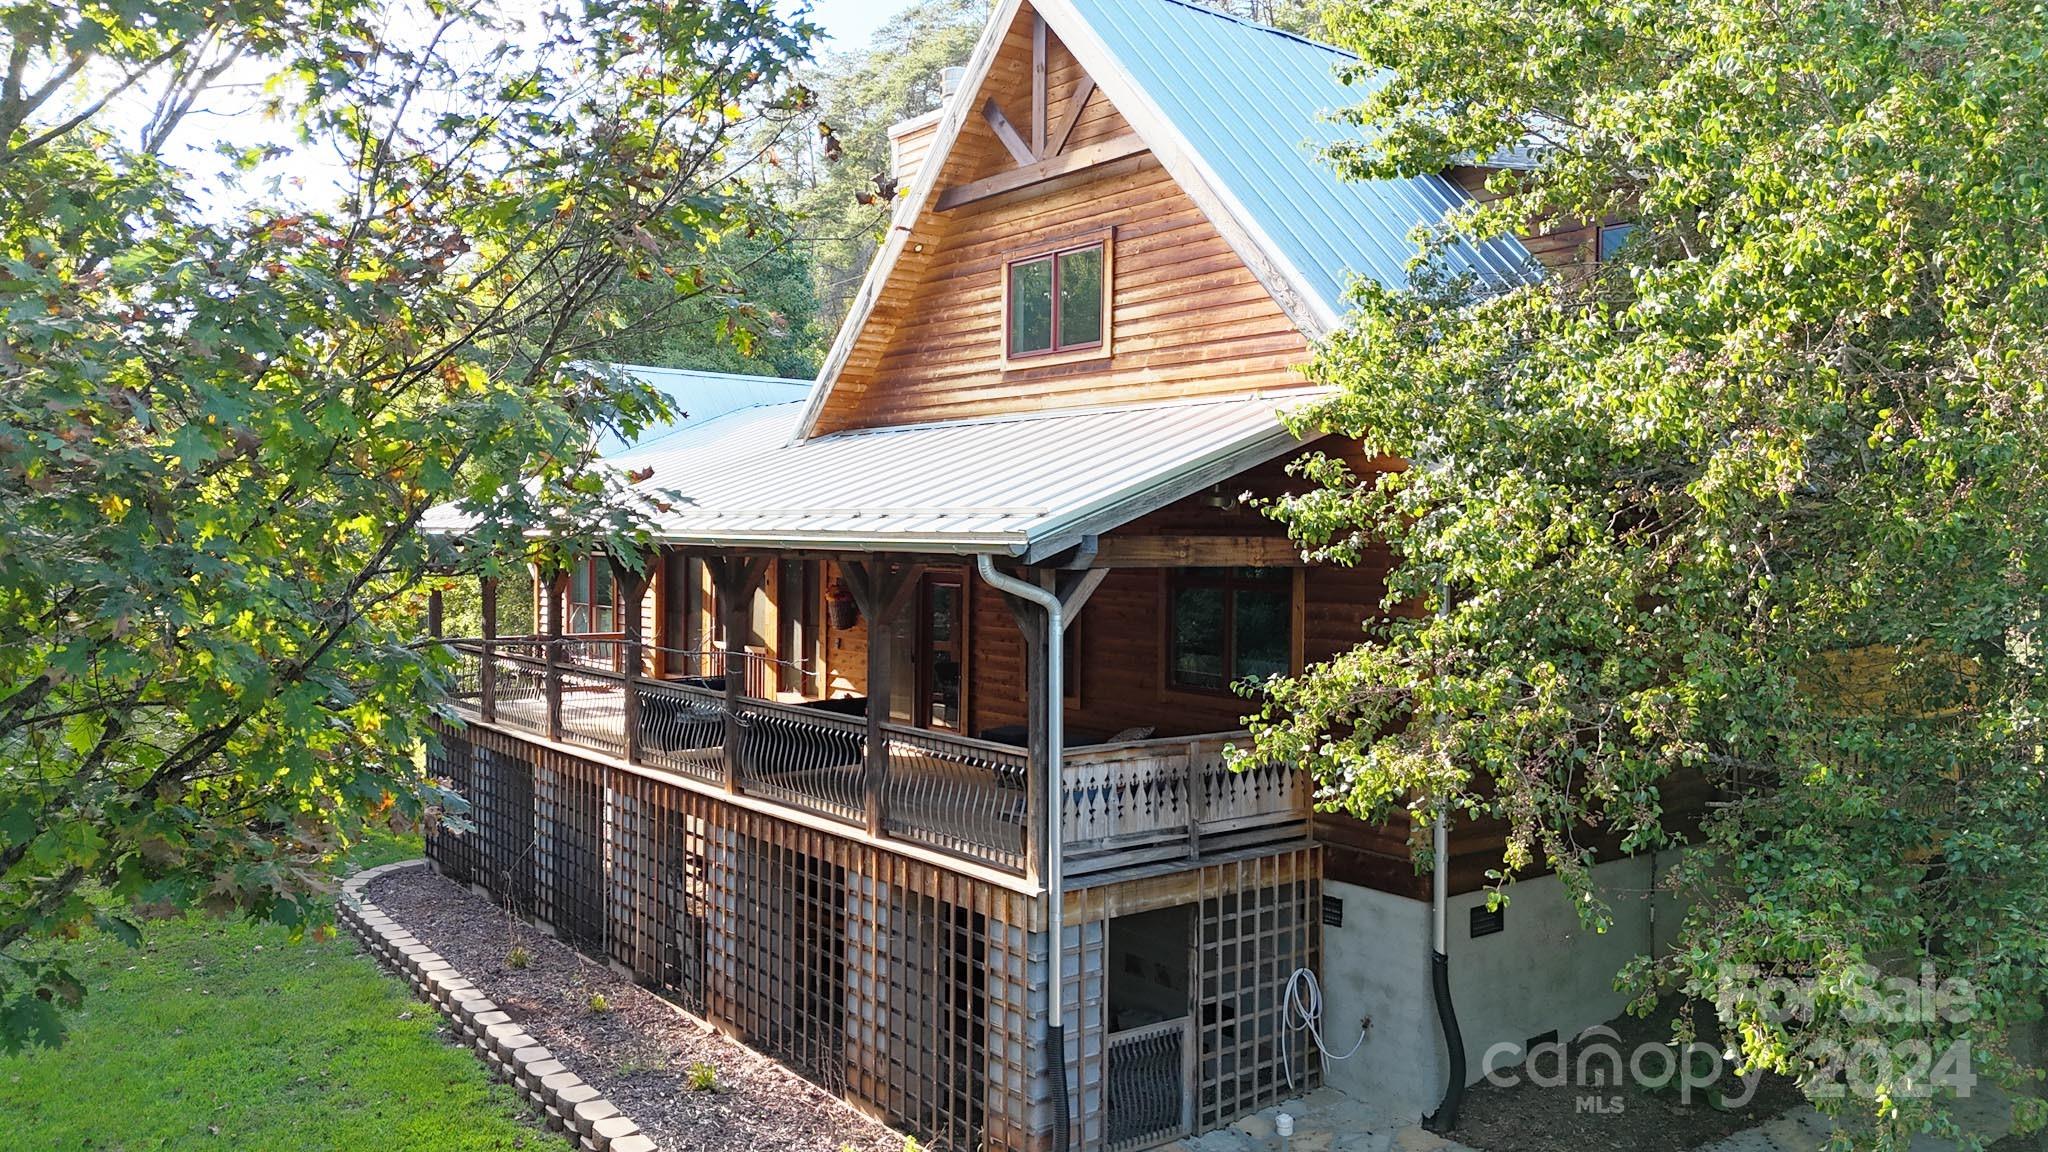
(1532, 1118)
(638, 1051)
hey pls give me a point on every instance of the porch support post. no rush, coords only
(735, 578)
(880, 588)
(1031, 622)
(487, 686)
(434, 610)
(632, 595)
(549, 582)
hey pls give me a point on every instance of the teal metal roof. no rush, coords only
(1252, 104)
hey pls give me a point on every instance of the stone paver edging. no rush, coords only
(572, 1107)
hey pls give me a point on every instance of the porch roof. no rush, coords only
(1028, 485)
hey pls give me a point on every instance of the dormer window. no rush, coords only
(1056, 302)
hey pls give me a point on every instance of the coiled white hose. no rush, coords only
(1302, 1011)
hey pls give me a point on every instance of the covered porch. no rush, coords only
(834, 625)
(776, 718)
(833, 667)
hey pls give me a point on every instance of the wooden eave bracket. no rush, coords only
(1079, 160)
(1007, 132)
(1057, 142)
(1044, 156)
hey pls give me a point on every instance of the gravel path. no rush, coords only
(640, 1050)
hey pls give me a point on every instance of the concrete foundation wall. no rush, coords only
(1377, 966)
(1542, 972)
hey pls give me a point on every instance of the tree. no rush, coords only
(844, 190)
(1303, 17)
(1761, 500)
(755, 311)
(224, 419)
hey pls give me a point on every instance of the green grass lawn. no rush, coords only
(226, 1035)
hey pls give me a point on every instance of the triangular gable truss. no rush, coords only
(1042, 155)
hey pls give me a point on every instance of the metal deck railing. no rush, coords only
(962, 797)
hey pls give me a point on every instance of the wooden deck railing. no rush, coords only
(1123, 805)
(1150, 801)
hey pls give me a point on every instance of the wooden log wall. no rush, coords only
(1556, 243)
(910, 142)
(1121, 679)
(1188, 317)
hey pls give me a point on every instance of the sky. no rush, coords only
(849, 23)
(226, 114)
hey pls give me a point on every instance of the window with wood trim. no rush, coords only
(798, 594)
(593, 597)
(1225, 625)
(1612, 237)
(1056, 302)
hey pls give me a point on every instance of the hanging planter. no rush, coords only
(839, 606)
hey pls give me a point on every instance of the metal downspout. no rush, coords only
(1055, 911)
(1445, 1117)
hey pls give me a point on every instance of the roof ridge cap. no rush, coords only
(1247, 22)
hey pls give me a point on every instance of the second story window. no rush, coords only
(1612, 237)
(1056, 302)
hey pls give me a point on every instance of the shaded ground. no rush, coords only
(638, 1051)
(226, 1035)
(1630, 1118)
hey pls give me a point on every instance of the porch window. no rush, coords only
(1227, 624)
(798, 594)
(1055, 302)
(593, 599)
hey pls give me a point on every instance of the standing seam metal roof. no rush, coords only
(1016, 483)
(1253, 104)
(700, 396)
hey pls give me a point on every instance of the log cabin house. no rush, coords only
(827, 773)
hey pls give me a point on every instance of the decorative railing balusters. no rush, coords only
(1122, 804)
(958, 795)
(804, 758)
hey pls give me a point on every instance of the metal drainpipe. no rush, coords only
(1055, 745)
(1445, 1117)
